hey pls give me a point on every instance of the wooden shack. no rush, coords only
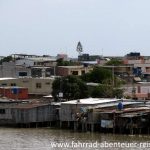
(74, 112)
(27, 114)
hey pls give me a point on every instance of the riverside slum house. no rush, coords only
(125, 117)
(71, 112)
(106, 115)
(27, 113)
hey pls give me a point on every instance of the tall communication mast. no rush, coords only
(79, 48)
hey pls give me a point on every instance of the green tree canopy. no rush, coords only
(106, 91)
(114, 62)
(61, 62)
(6, 59)
(72, 87)
(102, 91)
(97, 75)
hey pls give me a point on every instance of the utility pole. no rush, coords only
(60, 92)
(113, 76)
(133, 89)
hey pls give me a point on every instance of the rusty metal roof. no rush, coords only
(22, 104)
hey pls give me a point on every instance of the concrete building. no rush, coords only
(87, 57)
(36, 61)
(122, 70)
(36, 86)
(140, 90)
(10, 69)
(40, 66)
(141, 65)
(63, 56)
(42, 71)
(72, 70)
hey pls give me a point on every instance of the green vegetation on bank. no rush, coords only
(75, 87)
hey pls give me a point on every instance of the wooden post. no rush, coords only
(131, 130)
(68, 124)
(85, 126)
(60, 124)
(50, 124)
(82, 127)
(92, 127)
(75, 126)
(120, 131)
(114, 123)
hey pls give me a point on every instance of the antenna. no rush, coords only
(79, 48)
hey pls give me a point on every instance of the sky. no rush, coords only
(49, 27)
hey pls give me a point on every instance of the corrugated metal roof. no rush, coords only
(1, 79)
(116, 103)
(72, 67)
(48, 96)
(138, 79)
(41, 59)
(23, 105)
(92, 101)
(89, 62)
(126, 110)
(133, 115)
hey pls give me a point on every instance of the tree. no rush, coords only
(106, 91)
(72, 87)
(6, 59)
(97, 75)
(61, 62)
(103, 91)
(106, 87)
(114, 62)
(118, 92)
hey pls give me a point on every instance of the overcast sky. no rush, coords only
(104, 27)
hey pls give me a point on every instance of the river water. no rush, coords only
(55, 139)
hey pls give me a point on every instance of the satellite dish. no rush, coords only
(79, 48)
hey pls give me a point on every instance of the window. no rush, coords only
(83, 71)
(13, 84)
(74, 72)
(25, 81)
(3, 84)
(22, 74)
(38, 85)
(2, 111)
(47, 83)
